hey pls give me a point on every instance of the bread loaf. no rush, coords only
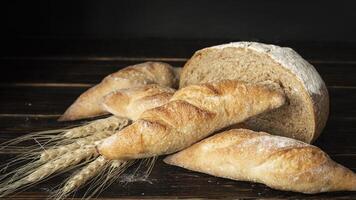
(193, 113)
(89, 103)
(279, 162)
(131, 102)
(305, 114)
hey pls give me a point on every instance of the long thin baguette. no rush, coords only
(279, 162)
(88, 104)
(192, 114)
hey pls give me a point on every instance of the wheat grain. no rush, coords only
(85, 174)
(63, 162)
(66, 151)
(110, 175)
(54, 152)
(101, 171)
(110, 123)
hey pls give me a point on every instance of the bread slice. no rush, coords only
(280, 68)
(279, 162)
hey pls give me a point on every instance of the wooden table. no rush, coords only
(41, 78)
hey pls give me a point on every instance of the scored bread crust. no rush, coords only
(131, 102)
(279, 162)
(291, 61)
(88, 104)
(193, 113)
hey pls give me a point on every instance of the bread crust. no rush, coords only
(192, 114)
(88, 104)
(279, 162)
(131, 102)
(292, 62)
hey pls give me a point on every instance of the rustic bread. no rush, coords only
(131, 102)
(193, 113)
(89, 103)
(305, 114)
(279, 162)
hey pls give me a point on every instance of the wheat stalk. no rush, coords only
(85, 174)
(101, 171)
(85, 135)
(54, 152)
(110, 123)
(89, 171)
(66, 151)
(111, 174)
(63, 162)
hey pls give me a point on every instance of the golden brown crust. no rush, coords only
(131, 102)
(192, 114)
(88, 104)
(276, 161)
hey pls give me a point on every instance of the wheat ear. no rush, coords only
(46, 156)
(54, 152)
(113, 171)
(100, 172)
(61, 152)
(85, 174)
(106, 124)
(59, 136)
(57, 145)
(67, 160)
(61, 163)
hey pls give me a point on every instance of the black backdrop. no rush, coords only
(273, 21)
(170, 27)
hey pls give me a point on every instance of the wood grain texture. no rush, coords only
(84, 70)
(157, 48)
(43, 88)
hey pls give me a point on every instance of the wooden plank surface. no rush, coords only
(67, 48)
(86, 71)
(36, 90)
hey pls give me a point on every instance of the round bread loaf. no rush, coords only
(280, 68)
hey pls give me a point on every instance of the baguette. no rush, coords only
(279, 162)
(193, 113)
(131, 102)
(305, 114)
(88, 104)
(69, 148)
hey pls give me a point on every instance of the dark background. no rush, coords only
(84, 30)
(99, 27)
(274, 21)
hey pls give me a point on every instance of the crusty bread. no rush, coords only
(279, 162)
(192, 114)
(89, 103)
(305, 114)
(131, 102)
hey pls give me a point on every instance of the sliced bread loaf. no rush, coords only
(305, 114)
